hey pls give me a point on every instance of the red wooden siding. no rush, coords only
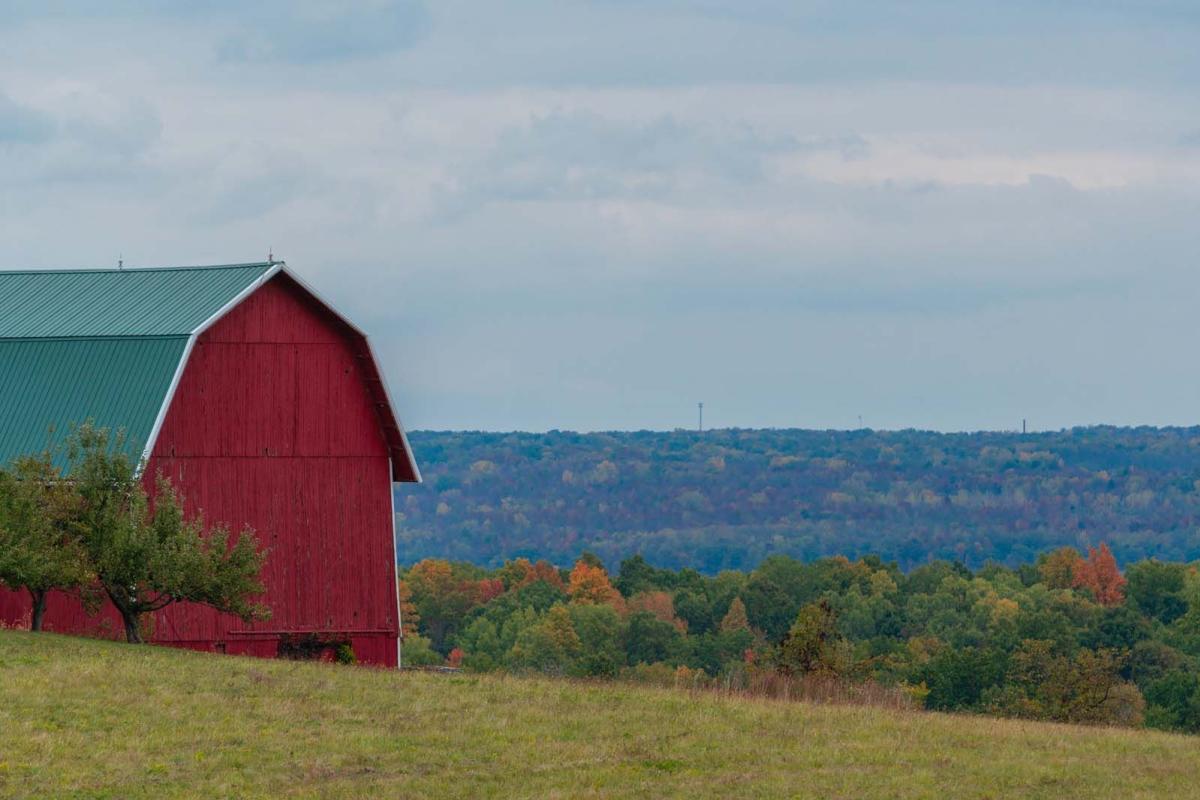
(274, 425)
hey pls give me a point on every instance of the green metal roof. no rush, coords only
(134, 302)
(100, 345)
(117, 383)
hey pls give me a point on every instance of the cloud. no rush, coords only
(935, 213)
(1190, 139)
(289, 31)
(581, 155)
(21, 124)
(77, 135)
(318, 30)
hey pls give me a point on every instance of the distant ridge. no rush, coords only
(729, 498)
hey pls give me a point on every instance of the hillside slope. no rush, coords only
(728, 498)
(85, 718)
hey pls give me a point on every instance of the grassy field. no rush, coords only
(82, 718)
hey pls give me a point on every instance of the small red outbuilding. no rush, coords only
(263, 405)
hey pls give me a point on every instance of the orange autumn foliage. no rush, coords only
(520, 572)
(1099, 574)
(490, 589)
(545, 571)
(409, 618)
(432, 574)
(660, 605)
(589, 585)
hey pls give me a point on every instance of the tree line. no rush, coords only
(727, 499)
(78, 519)
(1067, 637)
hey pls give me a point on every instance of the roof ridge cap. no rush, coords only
(137, 270)
(97, 337)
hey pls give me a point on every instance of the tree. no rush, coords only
(813, 644)
(489, 638)
(410, 619)
(442, 596)
(520, 572)
(419, 653)
(550, 646)
(39, 551)
(735, 619)
(1057, 568)
(1084, 688)
(1098, 573)
(589, 584)
(660, 605)
(591, 559)
(1116, 628)
(694, 606)
(1175, 701)
(637, 575)
(599, 629)
(145, 555)
(488, 589)
(649, 640)
(957, 676)
(1156, 589)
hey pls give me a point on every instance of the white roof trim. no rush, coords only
(306, 287)
(152, 440)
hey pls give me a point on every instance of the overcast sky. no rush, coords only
(946, 214)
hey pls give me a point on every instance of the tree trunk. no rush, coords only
(121, 603)
(39, 609)
(132, 634)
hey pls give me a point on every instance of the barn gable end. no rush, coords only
(273, 425)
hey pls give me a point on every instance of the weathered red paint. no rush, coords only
(279, 422)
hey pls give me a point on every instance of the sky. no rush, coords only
(943, 214)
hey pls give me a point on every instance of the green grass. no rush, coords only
(81, 718)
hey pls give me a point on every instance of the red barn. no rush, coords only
(263, 405)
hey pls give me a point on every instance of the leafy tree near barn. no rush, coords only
(146, 555)
(410, 619)
(39, 551)
(443, 593)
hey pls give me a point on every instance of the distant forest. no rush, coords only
(727, 499)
